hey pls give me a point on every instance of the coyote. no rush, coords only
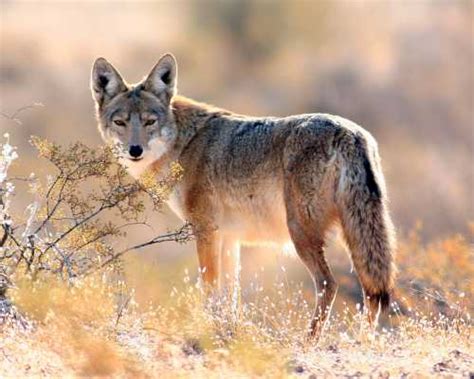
(252, 180)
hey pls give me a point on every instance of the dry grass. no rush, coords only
(95, 328)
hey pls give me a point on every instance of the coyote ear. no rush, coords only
(163, 77)
(106, 82)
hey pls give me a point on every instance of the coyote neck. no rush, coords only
(190, 116)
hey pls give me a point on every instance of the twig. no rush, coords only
(184, 234)
(4, 238)
(13, 116)
(121, 309)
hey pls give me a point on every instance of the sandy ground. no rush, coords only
(149, 353)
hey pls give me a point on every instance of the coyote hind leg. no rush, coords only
(311, 251)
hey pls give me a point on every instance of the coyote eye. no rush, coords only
(150, 122)
(119, 122)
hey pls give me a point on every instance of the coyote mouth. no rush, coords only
(135, 159)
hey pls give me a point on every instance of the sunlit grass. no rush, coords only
(96, 327)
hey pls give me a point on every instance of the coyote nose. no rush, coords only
(135, 151)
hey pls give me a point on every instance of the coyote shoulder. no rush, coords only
(256, 179)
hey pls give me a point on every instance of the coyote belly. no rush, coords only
(250, 180)
(257, 217)
(253, 215)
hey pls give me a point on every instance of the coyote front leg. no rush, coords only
(230, 265)
(208, 246)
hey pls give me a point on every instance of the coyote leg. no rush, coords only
(372, 305)
(229, 291)
(230, 271)
(311, 252)
(207, 244)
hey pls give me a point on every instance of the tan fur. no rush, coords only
(254, 180)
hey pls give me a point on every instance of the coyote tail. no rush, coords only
(365, 220)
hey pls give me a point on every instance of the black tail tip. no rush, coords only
(384, 300)
(381, 298)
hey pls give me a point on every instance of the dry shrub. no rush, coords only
(67, 231)
(71, 318)
(437, 276)
(77, 322)
(51, 297)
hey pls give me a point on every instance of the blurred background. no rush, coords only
(401, 69)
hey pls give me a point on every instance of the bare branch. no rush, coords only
(182, 235)
(4, 238)
(68, 237)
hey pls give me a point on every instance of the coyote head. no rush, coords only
(137, 118)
